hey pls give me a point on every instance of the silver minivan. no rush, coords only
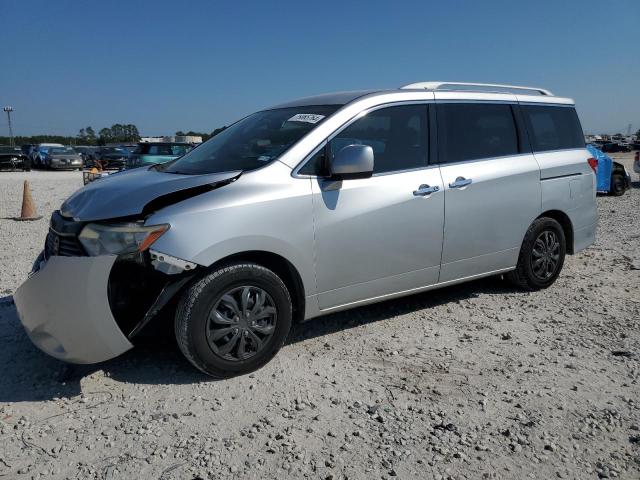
(314, 206)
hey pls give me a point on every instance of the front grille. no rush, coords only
(62, 238)
(65, 246)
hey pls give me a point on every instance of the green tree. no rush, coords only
(217, 131)
(105, 136)
(133, 135)
(91, 135)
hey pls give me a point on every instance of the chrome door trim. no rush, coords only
(425, 190)
(461, 182)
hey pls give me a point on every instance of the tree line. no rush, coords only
(118, 133)
(205, 136)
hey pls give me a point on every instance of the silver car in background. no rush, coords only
(60, 158)
(315, 206)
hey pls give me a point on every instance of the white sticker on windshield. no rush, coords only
(306, 117)
(264, 158)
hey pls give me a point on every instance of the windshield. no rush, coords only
(62, 151)
(253, 141)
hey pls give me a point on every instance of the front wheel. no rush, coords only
(234, 320)
(541, 255)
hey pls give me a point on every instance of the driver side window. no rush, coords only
(398, 136)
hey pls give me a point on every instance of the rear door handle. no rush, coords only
(424, 190)
(460, 182)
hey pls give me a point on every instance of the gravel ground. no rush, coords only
(473, 381)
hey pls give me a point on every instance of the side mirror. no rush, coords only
(351, 162)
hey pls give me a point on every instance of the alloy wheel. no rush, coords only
(545, 255)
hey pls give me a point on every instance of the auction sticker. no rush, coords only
(306, 117)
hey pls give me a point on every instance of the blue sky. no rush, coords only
(197, 65)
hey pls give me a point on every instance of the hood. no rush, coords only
(64, 156)
(127, 193)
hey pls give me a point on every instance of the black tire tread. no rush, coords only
(617, 193)
(519, 276)
(185, 307)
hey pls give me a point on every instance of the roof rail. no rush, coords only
(439, 85)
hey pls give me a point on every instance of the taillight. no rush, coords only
(593, 163)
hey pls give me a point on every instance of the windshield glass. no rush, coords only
(62, 151)
(253, 141)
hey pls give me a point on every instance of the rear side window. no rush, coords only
(471, 131)
(552, 127)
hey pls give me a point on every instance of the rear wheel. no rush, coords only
(618, 185)
(541, 255)
(234, 320)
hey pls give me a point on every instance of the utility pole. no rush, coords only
(9, 110)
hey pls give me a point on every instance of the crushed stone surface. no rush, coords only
(475, 381)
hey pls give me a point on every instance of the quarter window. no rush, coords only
(553, 127)
(475, 131)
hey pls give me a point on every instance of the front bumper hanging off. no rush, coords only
(64, 308)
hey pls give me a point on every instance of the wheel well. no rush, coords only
(565, 222)
(281, 267)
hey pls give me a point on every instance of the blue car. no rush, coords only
(611, 177)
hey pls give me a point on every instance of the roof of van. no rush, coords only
(480, 91)
(336, 98)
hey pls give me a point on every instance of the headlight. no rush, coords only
(119, 239)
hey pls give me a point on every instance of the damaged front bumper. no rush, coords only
(64, 307)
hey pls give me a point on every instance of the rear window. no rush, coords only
(471, 131)
(62, 151)
(162, 149)
(553, 127)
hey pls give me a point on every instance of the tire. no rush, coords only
(618, 185)
(541, 276)
(196, 330)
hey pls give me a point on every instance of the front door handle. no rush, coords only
(424, 190)
(460, 182)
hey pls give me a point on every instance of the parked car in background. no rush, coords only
(61, 158)
(318, 205)
(13, 158)
(154, 153)
(615, 147)
(611, 177)
(86, 152)
(131, 147)
(38, 152)
(111, 158)
(27, 149)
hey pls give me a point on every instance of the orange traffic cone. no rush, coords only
(28, 207)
